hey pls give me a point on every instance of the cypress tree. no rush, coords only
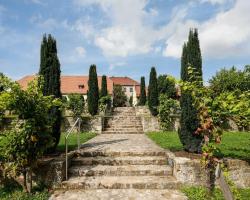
(104, 90)
(93, 92)
(50, 71)
(143, 97)
(191, 56)
(153, 101)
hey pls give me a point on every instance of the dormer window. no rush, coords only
(80, 86)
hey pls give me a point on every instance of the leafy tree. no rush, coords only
(105, 103)
(76, 104)
(191, 59)
(167, 107)
(50, 73)
(166, 85)
(93, 92)
(229, 80)
(143, 98)
(104, 90)
(30, 134)
(119, 98)
(153, 92)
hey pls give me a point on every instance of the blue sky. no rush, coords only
(123, 37)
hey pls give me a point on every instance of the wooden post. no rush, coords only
(223, 184)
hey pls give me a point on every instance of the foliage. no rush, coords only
(31, 133)
(229, 80)
(15, 193)
(153, 100)
(119, 98)
(104, 90)
(76, 104)
(72, 140)
(200, 193)
(93, 92)
(206, 129)
(105, 103)
(166, 85)
(232, 105)
(143, 98)
(131, 101)
(50, 73)
(191, 56)
(167, 107)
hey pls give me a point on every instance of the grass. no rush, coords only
(72, 140)
(233, 145)
(200, 193)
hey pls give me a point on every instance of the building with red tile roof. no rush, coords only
(79, 85)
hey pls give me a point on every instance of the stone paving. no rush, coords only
(120, 166)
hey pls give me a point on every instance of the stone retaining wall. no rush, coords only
(190, 171)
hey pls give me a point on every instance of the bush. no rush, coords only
(105, 103)
(76, 104)
(120, 97)
(167, 107)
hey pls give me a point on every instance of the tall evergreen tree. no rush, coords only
(93, 92)
(143, 97)
(104, 90)
(153, 100)
(50, 71)
(191, 56)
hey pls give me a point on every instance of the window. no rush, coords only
(124, 89)
(80, 86)
(131, 89)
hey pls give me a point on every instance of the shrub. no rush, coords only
(120, 98)
(76, 104)
(105, 103)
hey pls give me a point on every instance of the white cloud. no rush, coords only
(215, 1)
(81, 52)
(226, 34)
(117, 64)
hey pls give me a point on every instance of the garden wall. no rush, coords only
(190, 171)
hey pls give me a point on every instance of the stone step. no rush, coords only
(122, 132)
(119, 194)
(120, 153)
(123, 125)
(124, 160)
(115, 129)
(122, 170)
(122, 182)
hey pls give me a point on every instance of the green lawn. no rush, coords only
(72, 140)
(234, 144)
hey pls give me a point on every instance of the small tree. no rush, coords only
(120, 98)
(189, 121)
(104, 90)
(93, 92)
(50, 72)
(76, 104)
(131, 101)
(30, 134)
(166, 85)
(143, 97)
(153, 92)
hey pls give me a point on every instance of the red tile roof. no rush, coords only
(124, 81)
(71, 84)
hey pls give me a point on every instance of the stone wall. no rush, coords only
(149, 122)
(190, 171)
(88, 123)
(52, 172)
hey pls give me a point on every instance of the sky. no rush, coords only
(123, 37)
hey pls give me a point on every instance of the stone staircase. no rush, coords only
(123, 120)
(120, 166)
